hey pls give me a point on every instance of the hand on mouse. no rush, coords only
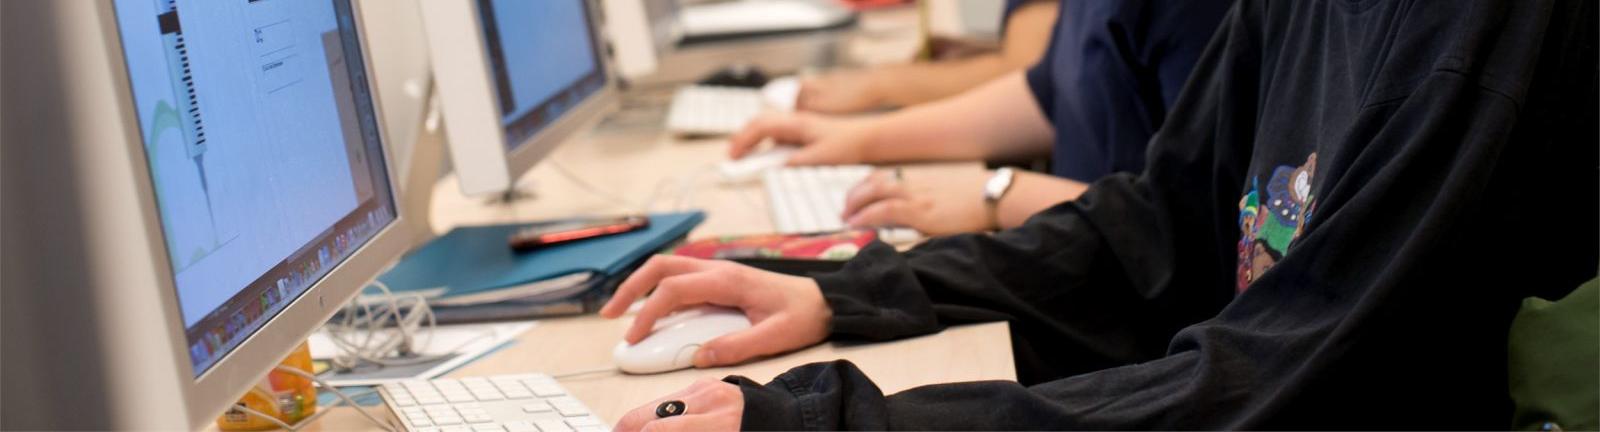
(709, 405)
(840, 93)
(823, 140)
(786, 312)
(948, 204)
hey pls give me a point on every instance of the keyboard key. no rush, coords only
(448, 420)
(487, 428)
(568, 406)
(551, 425)
(456, 429)
(536, 407)
(420, 422)
(520, 426)
(578, 422)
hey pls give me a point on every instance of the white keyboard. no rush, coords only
(712, 110)
(809, 199)
(501, 403)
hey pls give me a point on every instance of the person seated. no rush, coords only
(1025, 32)
(1334, 232)
(1100, 92)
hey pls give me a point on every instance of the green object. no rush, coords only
(1555, 362)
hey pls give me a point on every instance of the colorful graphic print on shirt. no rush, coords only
(1267, 225)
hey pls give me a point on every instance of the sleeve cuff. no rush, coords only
(767, 408)
(876, 296)
(1042, 85)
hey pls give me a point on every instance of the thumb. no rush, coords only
(763, 338)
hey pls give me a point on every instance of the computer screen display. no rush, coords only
(263, 150)
(544, 61)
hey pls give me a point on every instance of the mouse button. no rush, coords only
(685, 356)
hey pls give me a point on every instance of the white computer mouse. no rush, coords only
(671, 346)
(782, 94)
(752, 165)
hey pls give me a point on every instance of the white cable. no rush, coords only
(607, 369)
(344, 397)
(308, 420)
(597, 191)
(362, 334)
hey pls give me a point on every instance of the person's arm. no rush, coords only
(997, 120)
(1027, 34)
(1032, 193)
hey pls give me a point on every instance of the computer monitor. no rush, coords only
(248, 158)
(642, 32)
(515, 79)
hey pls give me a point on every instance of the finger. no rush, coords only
(709, 405)
(890, 212)
(881, 185)
(678, 292)
(765, 337)
(646, 277)
(636, 419)
(780, 127)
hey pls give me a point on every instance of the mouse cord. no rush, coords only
(595, 190)
(344, 400)
(599, 370)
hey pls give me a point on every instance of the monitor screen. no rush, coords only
(263, 152)
(544, 60)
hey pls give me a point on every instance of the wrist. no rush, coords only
(868, 131)
(999, 183)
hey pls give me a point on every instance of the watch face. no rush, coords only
(997, 184)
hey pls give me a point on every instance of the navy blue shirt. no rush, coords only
(1112, 70)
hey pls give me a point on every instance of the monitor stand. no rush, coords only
(514, 196)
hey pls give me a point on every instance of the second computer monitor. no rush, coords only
(515, 79)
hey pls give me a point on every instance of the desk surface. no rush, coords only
(627, 164)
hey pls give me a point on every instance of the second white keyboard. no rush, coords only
(500, 403)
(712, 110)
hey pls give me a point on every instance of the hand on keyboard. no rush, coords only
(709, 405)
(947, 204)
(786, 312)
(823, 140)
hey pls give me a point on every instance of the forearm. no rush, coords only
(1033, 192)
(919, 83)
(999, 119)
(1025, 40)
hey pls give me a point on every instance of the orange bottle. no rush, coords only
(287, 396)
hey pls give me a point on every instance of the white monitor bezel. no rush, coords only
(209, 394)
(464, 76)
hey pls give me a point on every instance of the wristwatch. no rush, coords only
(994, 189)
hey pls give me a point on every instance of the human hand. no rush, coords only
(708, 404)
(786, 312)
(841, 92)
(935, 205)
(824, 140)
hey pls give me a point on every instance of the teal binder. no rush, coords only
(475, 259)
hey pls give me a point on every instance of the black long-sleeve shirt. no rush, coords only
(1335, 226)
